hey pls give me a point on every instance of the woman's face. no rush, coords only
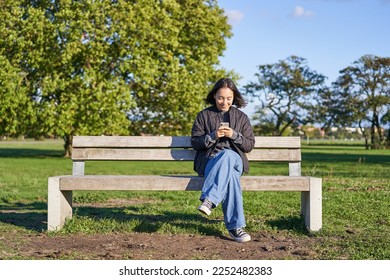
(224, 98)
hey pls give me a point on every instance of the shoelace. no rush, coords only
(208, 203)
(240, 232)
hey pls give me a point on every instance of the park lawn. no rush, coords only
(356, 199)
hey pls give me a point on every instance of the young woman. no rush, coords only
(221, 135)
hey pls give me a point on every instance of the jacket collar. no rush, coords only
(232, 114)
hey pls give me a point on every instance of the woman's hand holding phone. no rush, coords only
(224, 130)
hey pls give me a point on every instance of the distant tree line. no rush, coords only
(138, 67)
(292, 95)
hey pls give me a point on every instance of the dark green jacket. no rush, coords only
(203, 136)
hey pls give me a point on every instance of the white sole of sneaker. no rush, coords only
(241, 239)
(203, 209)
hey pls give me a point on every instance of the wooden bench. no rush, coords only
(165, 148)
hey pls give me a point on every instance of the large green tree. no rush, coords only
(113, 67)
(286, 91)
(363, 91)
(16, 112)
(180, 45)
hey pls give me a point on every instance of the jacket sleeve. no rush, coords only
(201, 139)
(245, 140)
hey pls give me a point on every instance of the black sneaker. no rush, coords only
(239, 235)
(206, 207)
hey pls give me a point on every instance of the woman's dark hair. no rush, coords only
(238, 100)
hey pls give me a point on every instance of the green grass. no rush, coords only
(356, 199)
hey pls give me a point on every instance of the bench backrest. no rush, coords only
(85, 148)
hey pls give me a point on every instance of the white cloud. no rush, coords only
(299, 12)
(234, 16)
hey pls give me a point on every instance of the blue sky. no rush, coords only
(329, 34)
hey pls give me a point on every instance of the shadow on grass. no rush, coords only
(191, 222)
(292, 223)
(149, 223)
(353, 158)
(30, 153)
(31, 216)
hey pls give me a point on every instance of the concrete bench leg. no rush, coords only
(59, 205)
(311, 205)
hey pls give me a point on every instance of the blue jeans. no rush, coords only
(222, 185)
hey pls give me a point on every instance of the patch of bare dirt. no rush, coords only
(143, 246)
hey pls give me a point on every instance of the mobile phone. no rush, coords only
(224, 124)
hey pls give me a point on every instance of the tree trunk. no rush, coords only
(373, 134)
(287, 125)
(388, 138)
(381, 140)
(68, 145)
(365, 136)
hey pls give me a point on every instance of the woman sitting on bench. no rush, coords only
(221, 135)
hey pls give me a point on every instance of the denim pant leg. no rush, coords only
(222, 185)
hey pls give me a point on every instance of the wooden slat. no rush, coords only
(172, 141)
(133, 154)
(281, 142)
(110, 182)
(282, 155)
(132, 141)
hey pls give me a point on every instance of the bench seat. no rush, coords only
(177, 183)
